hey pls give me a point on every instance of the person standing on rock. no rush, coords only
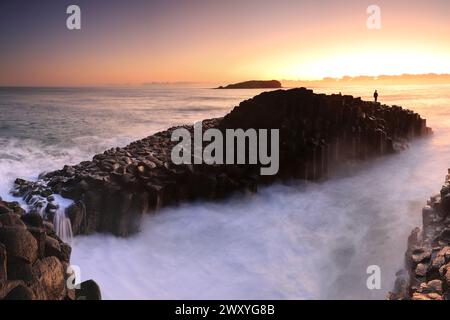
(375, 95)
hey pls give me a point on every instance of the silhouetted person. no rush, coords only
(375, 96)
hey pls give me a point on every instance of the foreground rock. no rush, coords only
(317, 133)
(427, 266)
(33, 259)
(254, 84)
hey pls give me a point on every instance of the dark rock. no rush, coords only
(428, 253)
(3, 262)
(445, 275)
(114, 190)
(48, 227)
(20, 292)
(33, 259)
(434, 286)
(445, 204)
(7, 286)
(89, 290)
(11, 220)
(19, 269)
(445, 253)
(71, 295)
(4, 209)
(33, 220)
(40, 235)
(77, 215)
(19, 243)
(65, 253)
(52, 247)
(445, 235)
(15, 206)
(50, 279)
(421, 255)
(426, 296)
(421, 270)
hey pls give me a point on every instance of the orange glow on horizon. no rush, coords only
(217, 43)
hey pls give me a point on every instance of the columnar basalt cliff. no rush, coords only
(317, 133)
(427, 261)
(34, 260)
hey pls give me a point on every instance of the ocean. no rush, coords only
(290, 241)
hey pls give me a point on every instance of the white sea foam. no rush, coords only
(298, 241)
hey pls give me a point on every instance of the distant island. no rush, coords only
(254, 84)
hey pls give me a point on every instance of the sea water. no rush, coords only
(291, 241)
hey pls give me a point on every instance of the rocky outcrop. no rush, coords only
(33, 259)
(254, 84)
(427, 262)
(317, 133)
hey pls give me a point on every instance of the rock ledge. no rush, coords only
(318, 133)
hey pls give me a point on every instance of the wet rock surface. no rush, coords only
(33, 259)
(427, 260)
(317, 133)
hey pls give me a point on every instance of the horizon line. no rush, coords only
(346, 78)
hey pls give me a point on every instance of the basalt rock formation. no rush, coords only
(317, 133)
(254, 84)
(427, 260)
(33, 259)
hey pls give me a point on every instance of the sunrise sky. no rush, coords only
(138, 41)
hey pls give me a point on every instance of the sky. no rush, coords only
(136, 41)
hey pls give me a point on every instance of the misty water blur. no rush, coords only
(300, 240)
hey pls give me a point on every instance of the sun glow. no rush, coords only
(370, 63)
(197, 43)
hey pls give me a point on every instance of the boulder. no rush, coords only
(52, 247)
(11, 220)
(33, 220)
(11, 207)
(19, 269)
(421, 270)
(20, 292)
(426, 296)
(49, 279)
(33, 259)
(40, 235)
(48, 227)
(89, 290)
(445, 236)
(434, 286)
(420, 255)
(445, 252)
(7, 286)
(19, 243)
(4, 209)
(65, 252)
